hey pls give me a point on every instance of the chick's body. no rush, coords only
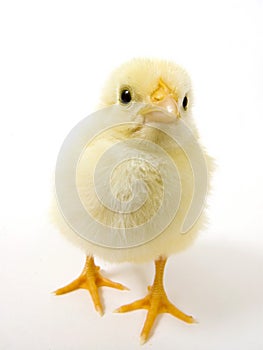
(167, 86)
(128, 173)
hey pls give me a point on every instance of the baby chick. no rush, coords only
(164, 90)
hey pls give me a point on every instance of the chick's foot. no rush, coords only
(90, 279)
(156, 302)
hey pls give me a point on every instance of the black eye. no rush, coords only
(125, 96)
(185, 103)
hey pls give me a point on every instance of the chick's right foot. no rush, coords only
(90, 279)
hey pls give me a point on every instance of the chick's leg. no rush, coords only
(90, 279)
(155, 302)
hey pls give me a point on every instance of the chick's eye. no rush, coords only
(125, 96)
(185, 103)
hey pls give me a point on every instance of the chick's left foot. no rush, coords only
(156, 302)
(90, 279)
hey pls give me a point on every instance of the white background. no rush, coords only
(55, 56)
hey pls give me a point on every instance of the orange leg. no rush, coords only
(156, 302)
(90, 279)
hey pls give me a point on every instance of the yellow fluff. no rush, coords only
(141, 77)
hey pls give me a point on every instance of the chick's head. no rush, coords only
(157, 83)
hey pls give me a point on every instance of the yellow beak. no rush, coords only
(163, 107)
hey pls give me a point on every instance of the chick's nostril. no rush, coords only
(157, 96)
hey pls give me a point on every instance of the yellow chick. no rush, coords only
(166, 175)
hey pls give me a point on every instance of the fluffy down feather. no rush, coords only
(141, 76)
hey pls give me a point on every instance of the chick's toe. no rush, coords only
(156, 302)
(90, 279)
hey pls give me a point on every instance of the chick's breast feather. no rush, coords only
(152, 82)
